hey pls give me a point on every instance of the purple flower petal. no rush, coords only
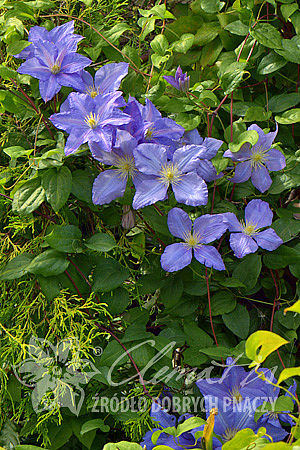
(149, 112)
(149, 158)
(103, 156)
(107, 187)
(242, 244)
(34, 68)
(75, 140)
(67, 121)
(261, 179)
(49, 88)
(209, 256)
(275, 160)
(209, 227)
(148, 191)
(72, 80)
(171, 80)
(74, 62)
(212, 146)
(176, 257)
(242, 155)
(259, 213)
(186, 158)
(231, 222)
(207, 171)
(167, 128)
(242, 172)
(179, 223)
(191, 190)
(108, 78)
(103, 136)
(265, 140)
(268, 239)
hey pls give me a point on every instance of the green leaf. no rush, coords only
(270, 63)
(118, 302)
(209, 6)
(288, 117)
(291, 49)
(250, 136)
(257, 114)
(48, 264)
(238, 321)
(288, 373)
(288, 10)
(294, 308)
(206, 33)
(94, 424)
(159, 44)
(101, 242)
(238, 28)
(266, 35)
(282, 102)
(17, 152)
(232, 76)
(27, 447)
(248, 270)
(221, 303)
(261, 344)
(57, 184)
(281, 257)
(28, 197)
(16, 267)
(286, 228)
(82, 183)
(244, 439)
(189, 424)
(184, 44)
(171, 292)
(6, 73)
(122, 446)
(108, 275)
(64, 238)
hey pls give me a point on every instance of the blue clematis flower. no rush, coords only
(207, 229)
(90, 120)
(181, 81)
(62, 36)
(55, 67)
(246, 237)
(236, 395)
(111, 184)
(209, 149)
(256, 161)
(107, 79)
(165, 420)
(157, 174)
(148, 125)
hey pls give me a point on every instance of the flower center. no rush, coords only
(92, 91)
(229, 434)
(125, 166)
(249, 228)
(192, 240)
(150, 132)
(258, 157)
(235, 394)
(55, 69)
(170, 173)
(92, 120)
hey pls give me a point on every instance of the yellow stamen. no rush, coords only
(229, 434)
(258, 157)
(249, 228)
(55, 68)
(235, 394)
(92, 91)
(92, 120)
(125, 166)
(192, 240)
(170, 173)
